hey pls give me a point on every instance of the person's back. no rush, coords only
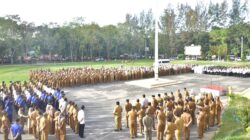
(128, 107)
(212, 112)
(201, 123)
(44, 127)
(62, 127)
(5, 126)
(16, 130)
(169, 130)
(148, 125)
(132, 117)
(192, 108)
(161, 117)
(187, 120)
(179, 127)
(141, 114)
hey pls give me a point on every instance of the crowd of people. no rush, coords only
(42, 109)
(222, 70)
(170, 115)
(79, 76)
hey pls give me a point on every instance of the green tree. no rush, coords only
(238, 12)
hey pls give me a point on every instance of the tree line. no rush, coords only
(217, 27)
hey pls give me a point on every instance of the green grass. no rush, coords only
(231, 128)
(216, 63)
(20, 72)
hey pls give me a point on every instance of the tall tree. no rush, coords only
(218, 14)
(238, 12)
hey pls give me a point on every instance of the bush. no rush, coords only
(244, 115)
(181, 56)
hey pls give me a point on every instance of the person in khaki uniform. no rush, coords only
(186, 93)
(132, 117)
(201, 123)
(50, 111)
(179, 125)
(141, 114)
(178, 108)
(71, 120)
(75, 121)
(218, 106)
(128, 107)
(212, 112)
(33, 117)
(187, 119)
(151, 111)
(138, 105)
(160, 100)
(207, 115)
(5, 125)
(170, 104)
(68, 113)
(56, 118)
(62, 127)
(44, 127)
(154, 102)
(161, 117)
(192, 108)
(169, 128)
(38, 118)
(118, 116)
(30, 110)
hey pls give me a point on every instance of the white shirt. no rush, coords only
(144, 102)
(63, 106)
(81, 117)
(61, 101)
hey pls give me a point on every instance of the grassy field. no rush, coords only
(232, 128)
(20, 72)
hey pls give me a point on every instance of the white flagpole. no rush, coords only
(156, 66)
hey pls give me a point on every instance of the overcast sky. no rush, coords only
(102, 12)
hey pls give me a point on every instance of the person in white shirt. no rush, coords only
(63, 106)
(81, 121)
(144, 101)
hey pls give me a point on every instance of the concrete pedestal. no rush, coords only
(152, 83)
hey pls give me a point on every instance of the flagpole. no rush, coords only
(156, 66)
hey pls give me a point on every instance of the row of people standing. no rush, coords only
(45, 110)
(80, 76)
(223, 70)
(174, 116)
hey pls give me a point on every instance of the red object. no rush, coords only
(220, 88)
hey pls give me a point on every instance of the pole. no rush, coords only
(156, 66)
(241, 48)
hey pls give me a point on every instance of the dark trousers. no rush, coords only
(19, 137)
(81, 130)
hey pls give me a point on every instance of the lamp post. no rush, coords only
(241, 54)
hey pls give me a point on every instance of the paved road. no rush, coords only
(100, 99)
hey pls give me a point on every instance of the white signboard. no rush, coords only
(193, 50)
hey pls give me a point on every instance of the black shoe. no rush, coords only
(116, 129)
(120, 129)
